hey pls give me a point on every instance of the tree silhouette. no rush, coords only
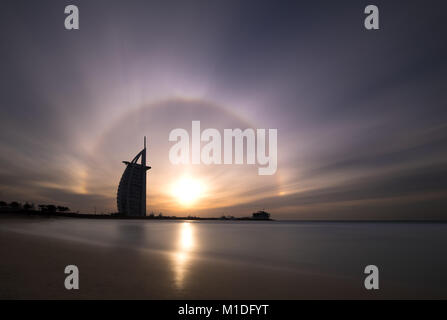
(28, 206)
(14, 205)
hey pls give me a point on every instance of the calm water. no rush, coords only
(410, 256)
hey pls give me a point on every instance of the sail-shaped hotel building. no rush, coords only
(131, 197)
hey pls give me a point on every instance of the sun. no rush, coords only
(187, 190)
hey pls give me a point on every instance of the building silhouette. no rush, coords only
(261, 215)
(131, 196)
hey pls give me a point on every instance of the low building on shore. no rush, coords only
(261, 215)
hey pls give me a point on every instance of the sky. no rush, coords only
(361, 114)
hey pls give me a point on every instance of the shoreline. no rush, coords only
(118, 217)
(39, 214)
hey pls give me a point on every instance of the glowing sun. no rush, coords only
(187, 190)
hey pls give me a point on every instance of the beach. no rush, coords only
(125, 259)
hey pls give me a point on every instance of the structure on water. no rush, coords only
(261, 215)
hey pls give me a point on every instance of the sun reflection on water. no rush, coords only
(186, 243)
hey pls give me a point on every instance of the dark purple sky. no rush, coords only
(361, 115)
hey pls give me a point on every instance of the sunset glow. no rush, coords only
(349, 122)
(187, 191)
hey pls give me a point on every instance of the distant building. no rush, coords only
(261, 215)
(131, 197)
